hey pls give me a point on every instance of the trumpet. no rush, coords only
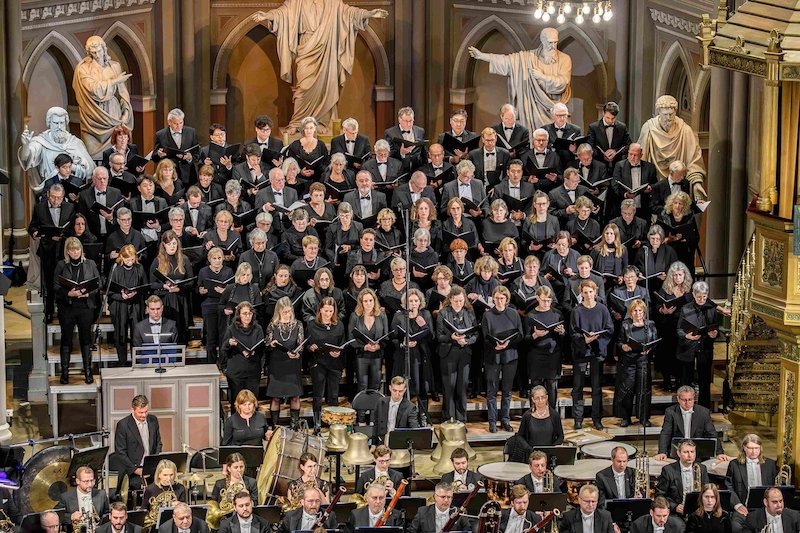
(641, 487)
(218, 510)
(87, 522)
(784, 476)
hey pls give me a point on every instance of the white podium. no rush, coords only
(185, 399)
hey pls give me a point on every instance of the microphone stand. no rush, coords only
(647, 256)
(407, 366)
(103, 305)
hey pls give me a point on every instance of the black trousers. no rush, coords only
(455, 372)
(369, 373)
(211, 323)
(703, 362)
(236, 384)
(578, 379)
(71, 316)
(123, 317)
(633, 391)
(325, 383)
(499, 377)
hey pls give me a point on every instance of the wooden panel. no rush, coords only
(198, 396)
(170, 436)
(162, 397)
(198, 429)
(121, 397)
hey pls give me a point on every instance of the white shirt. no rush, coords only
(465, 190)
(516, 522)
(366, 204)
(588, 523)
(373, 518)
(609, 133)
(753, 473)
(774, 522)
(101, 199)
(144, 432)
(307, 520)
(244, 525)
(538, 484)
(489, 160)
(393, 407)
(636, 181)
(687, 479)
(278, 196)
(84, 501)
(687, 423)
(619, 479)
(441, 518)
(657, 529)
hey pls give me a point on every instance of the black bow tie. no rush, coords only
(192, 209)
(155, 324)
(509, 129)
(350, 142)
(367, 198)
(405, 131)
(514, 187)
(541, 153)
(382, 164)
(149, 201)
(275, 193)
(437, 168)
(559, 129)
(265, 143)
(586, 166)
(608, 126)
(99, 193)
(635, 166)
(489, 154)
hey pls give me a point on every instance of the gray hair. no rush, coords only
(56, 187)
(345, 209)
(686, 388)
(233, 186)
(464, 167)
(700, 287)
(256, 235)
(560, 107)
(350, 124)
(655, 229)
(628, 203)
(585, 147)
(123, 211)
(177, 212)
(505, 108)
(381, 144)
(55, 112)
(263, 216)
(422, 233)
(176, 113)
(98, 171)
(539, 132)
(306, 121)
(338, 157)
(676, 166)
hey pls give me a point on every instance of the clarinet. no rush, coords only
(323, 516)
(388, 512)
(451, 522)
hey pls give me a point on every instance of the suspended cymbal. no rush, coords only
(194, 477)
(44, 479)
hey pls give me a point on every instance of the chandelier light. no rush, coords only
(579, 10)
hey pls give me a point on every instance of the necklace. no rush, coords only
(281, 327)
(313, 264)
(578, 223)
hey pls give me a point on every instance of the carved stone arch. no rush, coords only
(702, 104)
(570, 30)
(674, 58)
(139, 55)
(220, 72)
(72, 53)
(478, 32)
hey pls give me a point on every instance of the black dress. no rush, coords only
(708, 523)
(240, 432)
(297, 151)
(125, 313)
(154, 490)
(176, 304)
(284, 373)
(242, 369)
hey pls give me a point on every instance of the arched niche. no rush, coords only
(674, 79)
(127, 48)
(357, 98)
(51, 85)
(491, 91)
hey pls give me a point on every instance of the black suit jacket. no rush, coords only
(377, 198)
(527, 480)
(360, 518)
(242, 171)
(85, 202)
(129, 528)
(413, 160)
(141, 332)
(572, 522)
(407, 417)
(265, 196)
(273, 143)
(425, 521)
(368, 476)
(702, 427)
(569, 130)
(531, 519)
(501, 164)
(231, 525)
(597, 170)
(132, 151)
(472, 477)
(670, 483)
(644, 524)
(294, 519)
(393, 169)
(198, 526)
(607, 486)
(662, 190)
(128, 446)
(756, 520)
(188, 139)
(620, 139)
(526, 190)
(622, 174)
(736, 479)
(41, 218)
(551, 160)
(450, 190)
(69, 502)
(559, 201)
(401, 198)
(521, 134)
(205, 217)
(361, 147)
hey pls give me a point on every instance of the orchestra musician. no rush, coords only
(587, 518)
(83, 499)
(618, 480)
(375, 508)
(391, 477)
(247, 426)
(309, 478)
(164, 482)
(236, 467)
(709, 517)
(432, 518)
(659, 519)
(182, 521)
(773, 514)
(750, 469)
(687, 420)
(130, 436)
(304, 517)
(50, 522)
(534, 482)
(243, 520)
(518, 518)
(679, 478)
(461, 478)
(118, 521)
(394, 412)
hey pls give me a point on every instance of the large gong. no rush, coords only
(44, 479)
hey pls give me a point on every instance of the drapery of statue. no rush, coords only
(537, 79)
(667, 137)
(103, 99)
(319, 36)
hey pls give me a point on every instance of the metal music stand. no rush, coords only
(94, 458)
(559, 455)
(157, 354)
(413, 439)
(546, 501)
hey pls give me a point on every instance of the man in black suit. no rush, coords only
(365, 201)
(275, 194)
(243, 517)
(773, 511)
(432, 518)
(458, 129)
(130, 436)
(252, 169)
(148, 202)
(534, 482)
(263, 128)
(213, 154)
(750, 469)
(382, 167)
(561, 128)
(618, 480)
(518, 517)
(182, 520)
(634, 173)
(101, 223)
(53, 213)
(686, 414)
(658, 518)
(304, 517)
(680, 478)
(394, 412)
(562, 198)
(84, 498)
(154, 329)
(573, 520)
(407, 194)
(383, 456)
(177, 136)
(543, 157)
(674, 183)
(609, 137)
(437, 170)
(116, 171)
(590, 169)
(514, 187)
(372, 512)
(118, 521)
(412, 156)
(511, 133)
(199, 218)
(350, 142)
(466, 479)
(490, 160)
(465, 186)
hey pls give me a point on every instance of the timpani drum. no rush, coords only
(583, 472)
(716, 467)
(656, 466)
(500, 477)
(282, 461)
(338, 415)
(602, 450)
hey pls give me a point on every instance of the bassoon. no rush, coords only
(387, 513)
(555, 513)
(451, 522)
(319, 525)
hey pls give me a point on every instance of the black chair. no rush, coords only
(270, 513)
(211, 460)
(365, 404)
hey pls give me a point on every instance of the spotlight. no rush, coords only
(551, 8)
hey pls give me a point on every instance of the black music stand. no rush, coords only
(706, 448)
(151, 462)
(475, 505)
(692, 501)
(270, 513)
(341, 511)
(253, 455)
(546, 501)
(384, 529)
(409, 505)
(326, 531)
(413, 439)
(755, 496)
(626, 510)
(559, 455)
(94, 458)
(137, 517)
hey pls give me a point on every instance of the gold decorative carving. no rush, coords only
(747, 64)
(739, 48)
(774, 42)
(789, 408)
(790, 72)
(772, 262)
(668, 19)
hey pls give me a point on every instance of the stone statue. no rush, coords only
(38, 152)
(537, 79)
(320, 37)
(103, 98)
(666, 138)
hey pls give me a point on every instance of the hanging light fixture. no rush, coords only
(578, 10)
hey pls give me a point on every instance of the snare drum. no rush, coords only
(338, 415)
(500, 477)
(602, 450)
(583, 472)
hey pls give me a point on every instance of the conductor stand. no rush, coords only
(411, 439)
(157, 354)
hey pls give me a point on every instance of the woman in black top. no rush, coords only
(544, 326)
(235, 474)
(423, 216)
(560, 264)
(621, 297)
(496, 228)
(241, 290)
(540, 426)
(423, 258)
(280, 286)
(678, 214)
(583, 228)
(481, 287)
(502, 330)
(309, 478)
(80, 230)
(456, 333)
(634, 386)
(340, 237)
(387, 237)
(358, 282)
(339, 177)
(610, 257)
(262, 262)
(221, 236)
(322, 288)
(319, 211)
(368, 323)
(164, 481)
(126, 305)
(285, 338)
(325, 333)
(76, 307)
(709, 516)
(309, 149)
(242, 355)
(463, 270)
(171, 278)
(524, 289)
(509, 265)
(415, 320)
(293, 236)
(246, 426)
(234, 205)
(168, 183)
(654, 260)
(540, 229)
(667, 303)
(393, 289)
(458, 225)
(698, 326)
(211, 283)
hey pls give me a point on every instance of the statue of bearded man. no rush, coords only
(666, 138)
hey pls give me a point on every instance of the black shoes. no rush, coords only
(506, 426)
(625, 422)
(64, 379)
(598, 425)
(492, 427)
